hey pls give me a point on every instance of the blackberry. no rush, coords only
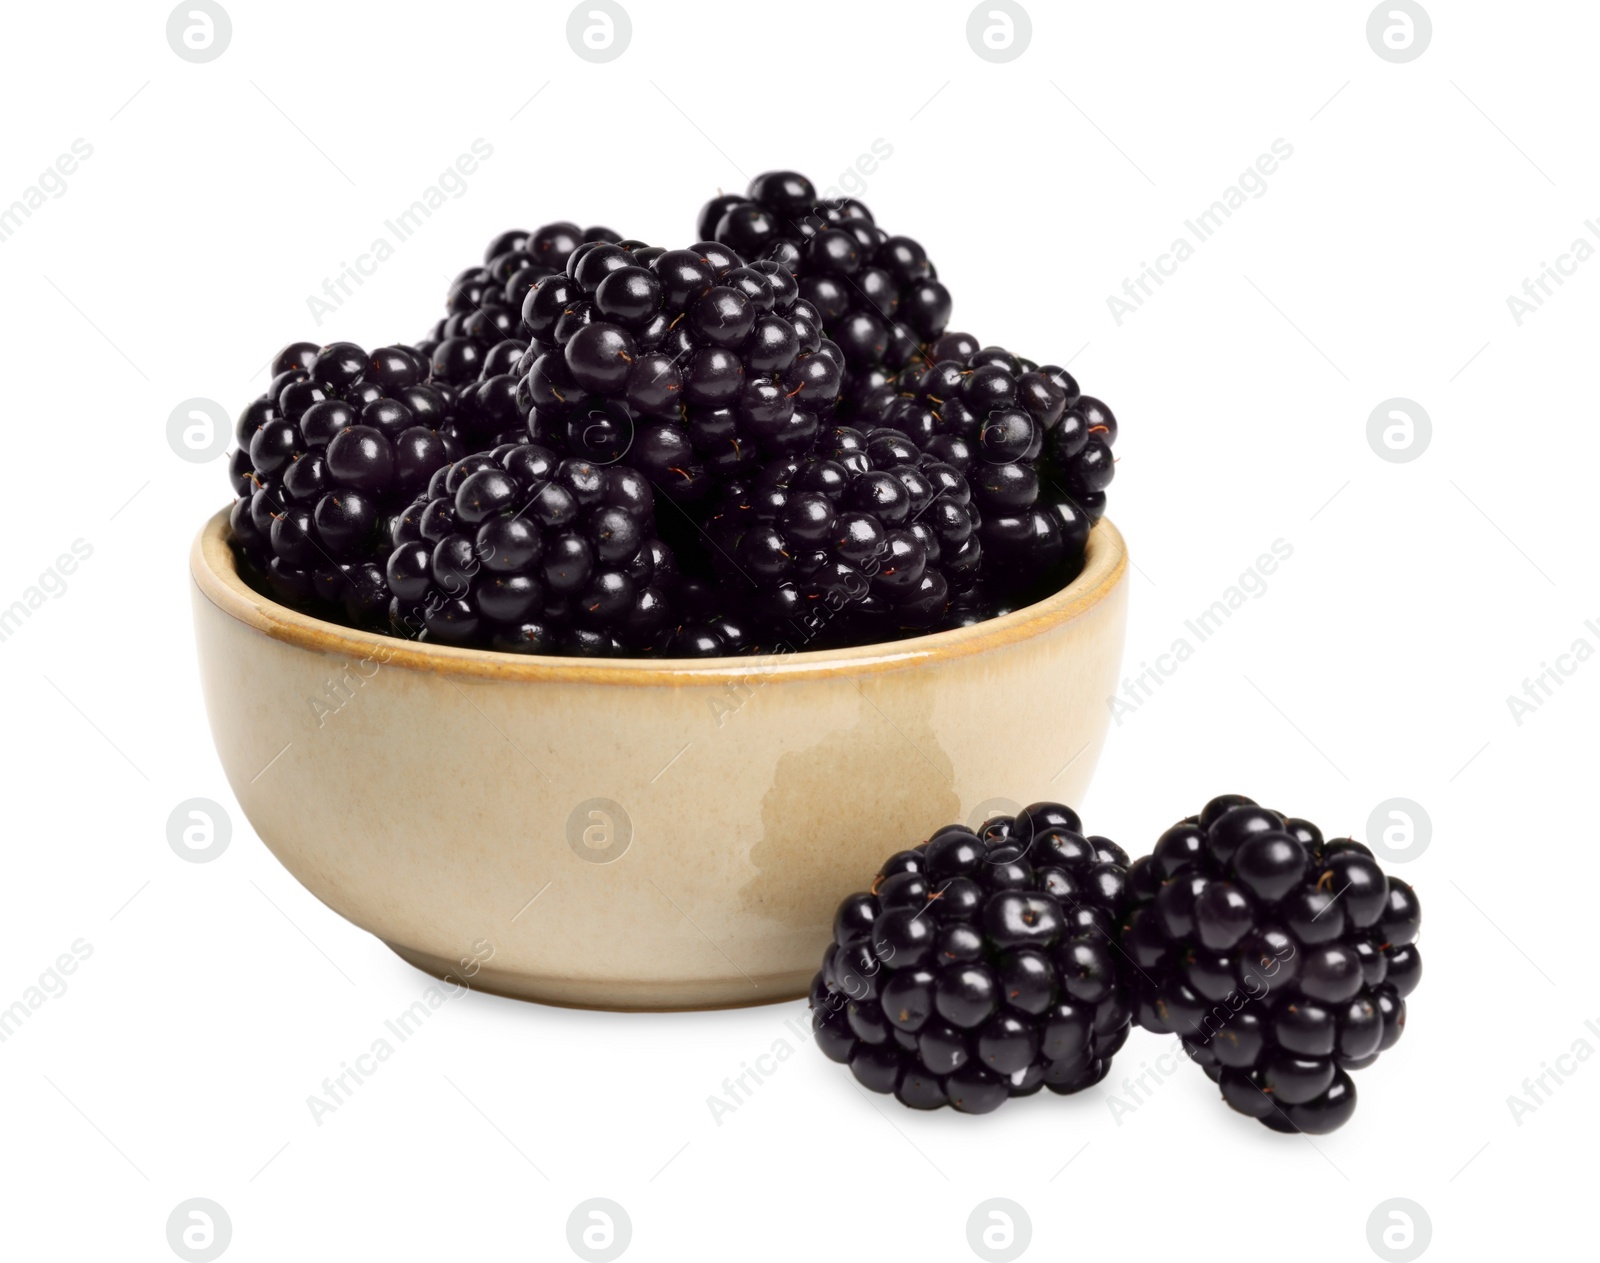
(997, 417)
(864, 537)
(687, 365)
(521, 550)
(477, 352)
(339, 442)
(978, 968)
(878, 296)
(1281, 960)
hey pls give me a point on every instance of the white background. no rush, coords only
(1377, 663)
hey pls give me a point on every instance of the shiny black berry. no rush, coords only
(979, 967)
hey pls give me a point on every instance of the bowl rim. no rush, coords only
(215, 574)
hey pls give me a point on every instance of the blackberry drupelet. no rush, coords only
(1282, 960)
(978, 968)
(521, 550)
(339, 442)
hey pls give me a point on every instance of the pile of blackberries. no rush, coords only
(981, 966)
(762, 442)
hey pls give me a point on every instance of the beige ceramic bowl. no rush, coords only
(642, 834)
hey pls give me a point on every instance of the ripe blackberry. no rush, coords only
(978, 968)
(483, 304)
(863, 537)
(878, 296)
(1282, 960)
(477, 353)
(997, 417)
(338, 443)
(687, 365)
(520, 550)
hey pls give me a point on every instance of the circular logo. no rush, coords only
(599, 1229)
(999, 1230)
(988, 809)
(198, 830)
(1399, 430)
(198, 430)
(999, 30)
(601, 436)
(1399, 830)
(1398, 1229)
(599, 831)
(599, 30)
(199, 30)
(1399, 30)
(199, 1230)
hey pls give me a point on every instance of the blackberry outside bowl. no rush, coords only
(643, 833)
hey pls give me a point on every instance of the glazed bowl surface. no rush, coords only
(642, 833)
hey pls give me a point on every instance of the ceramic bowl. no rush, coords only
(635, 834)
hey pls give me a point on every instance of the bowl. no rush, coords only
(643, 833)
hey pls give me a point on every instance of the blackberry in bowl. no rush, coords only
(337, 444)
(669, 831)
(878, 296)
(635, 586)
(519, 550)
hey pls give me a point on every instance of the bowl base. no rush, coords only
(623, 997)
